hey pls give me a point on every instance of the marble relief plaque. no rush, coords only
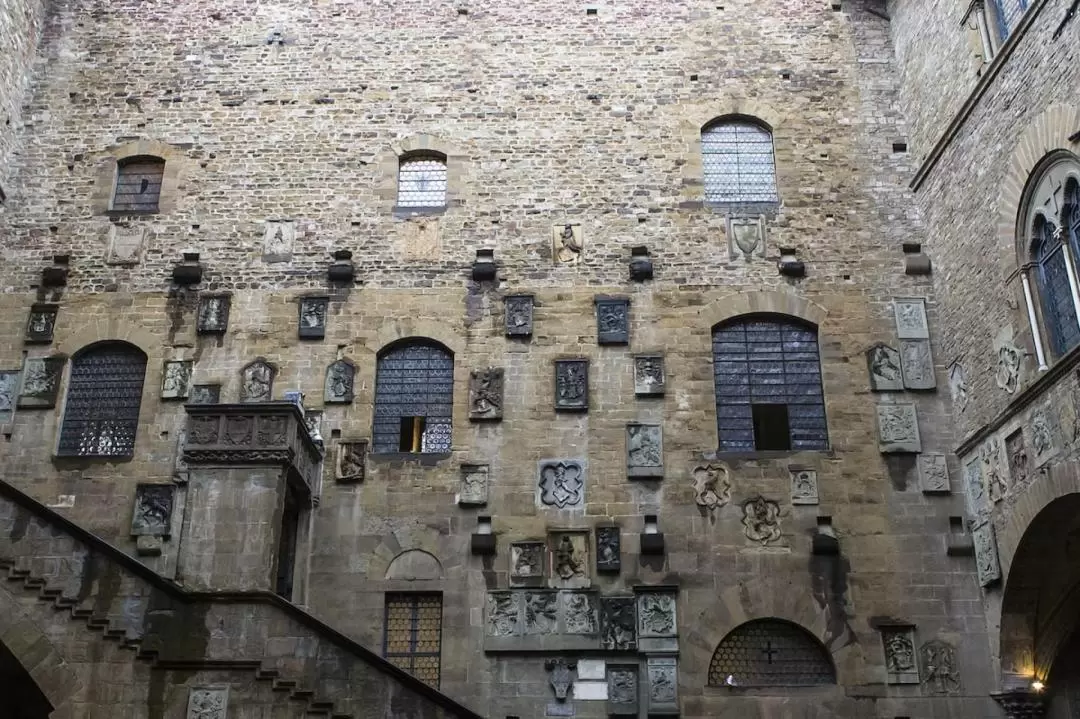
(917, 364)
(257, 382)
(474, 485)
(910, 315)
(339, 385)
(503, 614)
(569, 559)
(561, 484)
(153, 510)
(278, 239)
(567, 244)
(644, 450)
(519, 315)
(804, 486)
(581, 614)
(213, 316)
(608, 549)
(541, 612)
(528, 562)
(176, 379)
(986, 554)
(208, 703)
(9, 393)
(898, 429)
(883, 364)
(1041, 427)
(649, 379)
(975, 487)
(41, 382)
(940, 672)
(572, 385)
(486, 393)
(622, 690)
(618, 622)
(663, 675)
(1016, 456)
(351, 464)
(126, 243)
(900, 662)
(933, 474)
(312, 317)
(656, 614)
(612, 320)
(41, 323)
(205, 394)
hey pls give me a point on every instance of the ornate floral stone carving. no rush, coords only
(663, 675)
(213, 316)
(176, 379)
(567, 244)
(618, 622)
(612, 320)
(623, 687)
(899, 645)
(1017, 456)
(649, 379)
(474, 485)
(503, 614)
(934, 474)
(561, 676)
(41, 382)
(312, 317)
(804, 486)
(580, 611)
(562, 483)
(340, 381)
(898, 428)
(570, 559)
(1007, 374)
(486, 393)
(519, 315)
(153, 510)
(257, 382)
(644, 450)
(761, 520)
(986, 554)
(572, 384)
(958, 386)
(608, 549)
(41, 323)
(939, 670)
(917, 364)
(911, 319)
(351, 461)
(541, 612)
(207, 703)
(712, 485)
(656, 614)
(883, 364)
(527, 562)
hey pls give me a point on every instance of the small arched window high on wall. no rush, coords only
(738, 164)
(414, 398)
(101, 413)
(767, 373)
(138, 184)
(770, 653)
(422, 181)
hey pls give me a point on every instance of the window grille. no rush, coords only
(770, 652)
(413, 635)
(737, 158)
(101, 414)
(422, 182)
(1008, 14)
(761, 361)
(138, 184)
(1059, 313)
(414, 380)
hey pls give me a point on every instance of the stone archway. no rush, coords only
(23, 699)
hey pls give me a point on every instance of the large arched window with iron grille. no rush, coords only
(738, 163)
(767, 373)
(138, 184)
(101, 413)
(770, 653)
(422, 181)
(414, 398)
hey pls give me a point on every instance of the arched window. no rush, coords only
(422, 181)
(768, 385)
(138, 184)
(101, 414)
(414, 398)
(770, 653)
(738, 164)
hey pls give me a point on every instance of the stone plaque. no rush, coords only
(519, 315)
(1017, 457)
(503, 614)
(883, 364)
(561, 676)
(612, 320)
(486, 393)
(622, 690)
(41, 323)
(746, 237)
(205, 394)
(561, 484)
(663, 673)
(898, 429)
(207, 703)
(176, 379)
(1009, 365)
(351, 464)
(41, 382)
(761, 520)
(421, 239)
(712, 485)
(567, 244)
(900, 663)
(618, 622)
(527, 563)
(126, 241)
(993, 468)
(918, 364)
(213, 314)
(975, 488)
(541, 612)
(572, 385)
(559, 709)
(474, 485)
(257, 382)
(939, 669)
(656, 614)
(580, 613)
(958, 386)
(1041, 427)
(649, 377)
(153, 510)
(278, 239)
(934, 474)
(804, 486)
(644, 450)
(911, 321)
(986, 554)
(312, 320)
(340, 378)
(608, 549)
(313, 423)
(9, 393)
(569, 559)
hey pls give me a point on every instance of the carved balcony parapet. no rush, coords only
(259, 433)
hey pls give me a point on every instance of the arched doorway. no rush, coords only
(21, 697)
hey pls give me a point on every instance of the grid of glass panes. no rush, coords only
(738, 163)
(770, 652)
(414, 380)
(422, 182)
(138, 185)
(1059, 312)
(413, 637)
(101, 414)
(1009, 13)
(767, 360)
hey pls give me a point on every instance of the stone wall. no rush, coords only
(20, 26)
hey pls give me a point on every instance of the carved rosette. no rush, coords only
(562, 483)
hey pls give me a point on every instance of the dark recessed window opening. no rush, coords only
(412, 434)
(770, 427)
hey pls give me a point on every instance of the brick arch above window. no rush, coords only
(112, 160)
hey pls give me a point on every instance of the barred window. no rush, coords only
(422, 181)
(138, 184)
(738, 164)
(101, 414)
(768, 385)
(414, 398)
(413, 634)
(1054, 292)
(770, 653)
(1007, 14)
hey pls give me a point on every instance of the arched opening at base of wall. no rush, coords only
(21, 697)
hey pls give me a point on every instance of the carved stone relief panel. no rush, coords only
(421, 239)
(608, 549)
(351, 463)
(562, 483)
(712, 485)
(569, 559)
(993, 469)
(663, 673)
(567, 244)
(541, 612)
(940, 672)
(486, 393)
(649, 379)
(986, 554)
(622, 690)
(917, 364)
(41, 382)
(934, 474)
(975, 487)
(503, 614)
(519, 315)
(1010, 361)
(126, 241)
(313, 423)
(41, 323)
(9, 393)
(340, 382)
(1042, 426)
(618, 622)
(581, 612)
(900, 662)
(208, 703)
(898, 429)
(278, 239)
(561, 676)
(911, 321)
(656, 614)
(213, 318)
(474, 485)
(761, 520)
(205, 394)
(572, 385)
(176, 379)
(883, 364)
(644, 450)
(1016, 454)
(958, 388)
(153, 510)
(612, 320)
(257, 382)
(804, 486)
(527, 563)
(312, 317)
(746, 238)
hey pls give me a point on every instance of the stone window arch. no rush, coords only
(104, 394)
(770, 653)
(414, 398)
(422, 181)
(739, 164)
(767, 374)
(138, 184)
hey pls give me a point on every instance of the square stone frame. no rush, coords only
(101, 200)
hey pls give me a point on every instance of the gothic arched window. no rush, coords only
(770, 653)
(768, 385)
(422, 181)
(138, 184)
(738, 163)
(101, 414)
(414, 398)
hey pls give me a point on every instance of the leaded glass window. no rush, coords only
(1059, 313)
(101, 414)
(422, 181)
(413, 635)
(770, 653)
(138, 184)
(414, 398)
(768, 385)
(738, 164)
(1008, 14)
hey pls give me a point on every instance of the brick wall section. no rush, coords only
(20, 27)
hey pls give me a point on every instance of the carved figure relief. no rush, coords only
(663, 681)
(746, 237)
(571, 384)
(257, 382)
(761, 520)
(569, 559)
(213, 314)
(312, 320)
(649, 378)
(622, 686)
(911, 321)
(1007, 374)
(883, 363)
(486, 393)
(1017, 455)
(9, 392)
(917, 364)
(1042, 434)
(474, 485)
(804, 486)
(712, 485)
(958, 386)
(993, 474)
(618, 623)
(502, 614)
(608, 549)
(934, 474)
(205, 394)
(519, 315)
(975, 487)
(207, 703)
(562, 483)
(340, 380)
(153, 510)
(541, 612)
(562, 676)
(644, 450)
(41, 381)
(899, 644)
(175, 379)
(526, 561)
(581, 613)
(313, 423)
(567, 244)
(41, 323)
(352, 461)
(278, 239)
(612, 321)
(939, 670)
(898, 428)
(656, 614)
(986, 554)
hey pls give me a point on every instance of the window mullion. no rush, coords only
(1033, 321)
